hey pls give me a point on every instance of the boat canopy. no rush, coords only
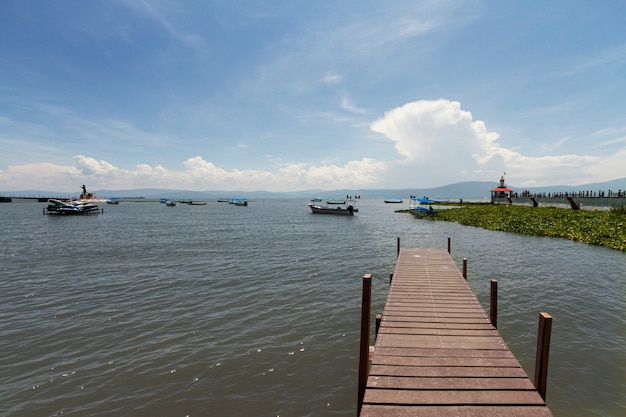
(424, 200)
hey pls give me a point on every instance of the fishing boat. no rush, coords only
(113, 200)
(417, 205)
(193, 203)
(238, 201)
(170, 203)
(340, 209)
(393, 200)
(71, 207)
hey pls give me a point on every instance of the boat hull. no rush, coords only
(338, 211)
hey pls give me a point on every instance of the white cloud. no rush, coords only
(346, 104)
(424, 129)
(437, 143)
(198, 175)
(444, 142)
(332, 79)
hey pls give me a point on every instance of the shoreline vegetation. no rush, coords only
(605, 228)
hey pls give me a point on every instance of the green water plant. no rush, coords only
(595, 227)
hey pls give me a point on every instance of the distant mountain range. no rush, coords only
(469, 190)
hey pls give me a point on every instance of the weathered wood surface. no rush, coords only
(437, 353)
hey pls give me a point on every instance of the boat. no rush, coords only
(417, 205)
(170, 203)
(238, 201)
(193, 203)
(71, 207)
(113, 200)
(393, 200)
(340, 210)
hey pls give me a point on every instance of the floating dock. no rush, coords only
(437, 352)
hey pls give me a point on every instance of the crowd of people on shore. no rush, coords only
(578, 194)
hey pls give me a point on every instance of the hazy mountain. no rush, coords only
(464, 190)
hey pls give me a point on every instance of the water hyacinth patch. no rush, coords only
(594, 227)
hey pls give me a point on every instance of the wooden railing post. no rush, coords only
(398, 251)
(364, 347)
(543, 350)
(448, 244)
(493, 303)
(390, 278)
(379, 319)
(465, 268)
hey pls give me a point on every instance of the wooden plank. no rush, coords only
(437, 331)
(452, 397)
(439, 341)
(390, 351)
(465, 411)
(449, 383)
(428, 324)
(440, 371)
(447, 361)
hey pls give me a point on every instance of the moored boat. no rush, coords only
(194, 203)
(393, 200)
(238, 201)
(70, 208)
(418, 203)
(340, 209)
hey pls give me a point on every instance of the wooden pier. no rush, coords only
(437, 352)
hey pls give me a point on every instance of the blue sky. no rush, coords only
(290, 95)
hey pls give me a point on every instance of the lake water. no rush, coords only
(148, 310)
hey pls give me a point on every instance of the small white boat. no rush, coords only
(71, 208)
(340, 209)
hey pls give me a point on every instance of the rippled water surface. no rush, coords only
(254, 311)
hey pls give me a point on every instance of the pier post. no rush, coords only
(365, 338)
(493, 303)
(398, 250)
(379, 318)
(465, 268)
(543, 350)
(449, 244)
(390, 278)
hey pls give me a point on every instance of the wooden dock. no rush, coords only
(437, 353)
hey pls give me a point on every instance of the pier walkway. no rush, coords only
(437, 354)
